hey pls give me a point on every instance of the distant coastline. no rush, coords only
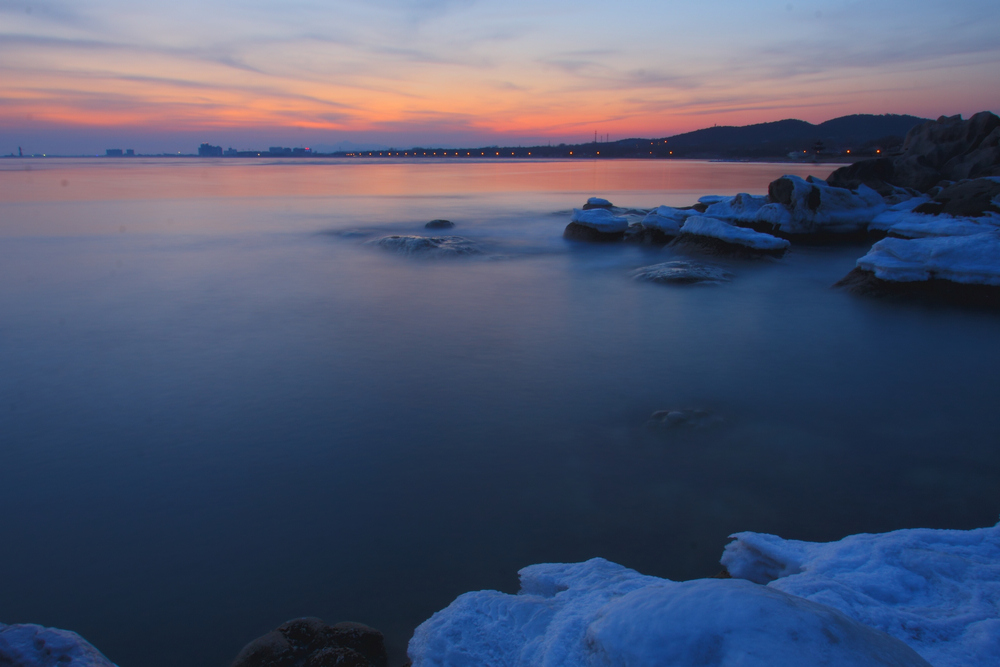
(844, 139)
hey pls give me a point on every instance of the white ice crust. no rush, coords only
(599, 614)
(973, 259)
(741, 208)
(29, 645)
(717, 229)
(600, 219)
(839, 210)
(667, 219)
(936, 590)
(901, 220)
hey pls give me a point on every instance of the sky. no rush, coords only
(80, 76)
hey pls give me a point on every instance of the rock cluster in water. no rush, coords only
(309, 642)
(937, 201)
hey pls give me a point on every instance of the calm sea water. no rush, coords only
(220, 409)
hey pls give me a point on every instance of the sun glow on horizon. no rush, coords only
(442, 71)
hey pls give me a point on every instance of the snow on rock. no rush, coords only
(708, 200)
(599, 614)
(29, 645)
(682, 272)
(741, 208)
(429, 246)
(667, 219)
(703, 226)
(971, 259)
(936, 590)
(907, 219)
(802, 206)
(597, 202)
(600, 219)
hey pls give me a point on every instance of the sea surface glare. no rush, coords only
(220, 408)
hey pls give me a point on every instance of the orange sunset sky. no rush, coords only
(162, 77)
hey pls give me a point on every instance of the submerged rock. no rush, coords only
(30, 645)
(440, 224)
(682, 272)
(685, 418)
(599, 613)
(431, 246)
(309, 642)
(720, 237)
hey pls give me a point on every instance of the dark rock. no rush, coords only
(440, 224)
(309, 642)
(937, 291)
(780, 191)
(637, 233)
(948, 148)
(578, 232)
(973, 199)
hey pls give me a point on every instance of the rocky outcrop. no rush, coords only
(946, 149)
(973, 198)
(309, 642)
(30, 645)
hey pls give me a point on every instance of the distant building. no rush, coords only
(129, 152)
(231, 152)
(301, 151)
(114, 152)
(278, 149)
(208, 150)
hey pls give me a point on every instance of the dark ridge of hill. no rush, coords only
(858, 133)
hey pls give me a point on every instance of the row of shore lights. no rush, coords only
(444, 153)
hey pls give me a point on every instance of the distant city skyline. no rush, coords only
(83, 77)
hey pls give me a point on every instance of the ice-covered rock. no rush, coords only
(971, 259)
(721, 236)
(599, 614)
(428, 246)
(799, 206)
(596, 224)
(936, 590)
(682, 272)
(600, 219)
(29, 645)
(667, 219)
(597, 202)
(708, 200)
(741, 209)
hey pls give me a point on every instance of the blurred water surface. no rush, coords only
(220, 408)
